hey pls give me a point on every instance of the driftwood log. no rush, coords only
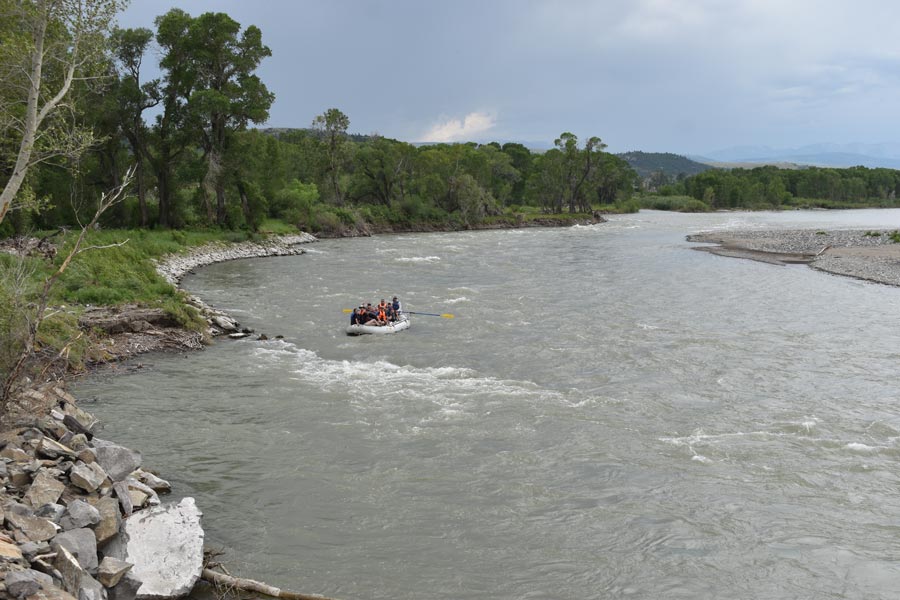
(251, 585)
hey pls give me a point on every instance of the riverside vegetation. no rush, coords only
(74, 125)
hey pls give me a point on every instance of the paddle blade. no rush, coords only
(447, 316)
(348, 310)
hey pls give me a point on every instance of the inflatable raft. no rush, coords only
(399, 325)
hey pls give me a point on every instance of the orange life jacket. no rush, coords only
(381, 315)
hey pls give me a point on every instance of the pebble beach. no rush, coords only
(866, 254)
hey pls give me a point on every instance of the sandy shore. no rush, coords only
(865, 254)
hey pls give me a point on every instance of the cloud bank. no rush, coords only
(468, 128)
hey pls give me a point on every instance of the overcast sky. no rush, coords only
(686, 76)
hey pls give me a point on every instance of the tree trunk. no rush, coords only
(141, 191)
(245, 203)
(31, 122)
(165, 204)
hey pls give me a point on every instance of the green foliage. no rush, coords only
(895, 237)
(674, 203)
(770, 187)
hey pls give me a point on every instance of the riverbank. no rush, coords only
(866, 254)
(81, 519)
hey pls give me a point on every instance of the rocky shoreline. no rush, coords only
(131, 330)
(81, 518)
(866, 254)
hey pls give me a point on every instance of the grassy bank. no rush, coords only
(117, 268)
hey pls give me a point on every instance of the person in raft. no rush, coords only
(379, 315)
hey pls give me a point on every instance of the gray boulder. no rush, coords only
(126, 589)
(35, 529)
(165, 545)
(45, 489)
(117, 461)
(32, 549)
(71, 572)
(82, 544)
(79, 514)
(157, 484)
(54, 512)
(25, 583)
(110, 518)
(87, 476)
(112, 570)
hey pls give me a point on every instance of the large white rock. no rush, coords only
(165, 545)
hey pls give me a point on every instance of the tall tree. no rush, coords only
(578, 165)
(227, 94)
(382, 170)
(133, 98)
(170, 136)
(332, 127)
(47, 46)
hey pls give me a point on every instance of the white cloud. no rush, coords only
(460, 130)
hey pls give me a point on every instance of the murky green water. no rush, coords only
(609, 415)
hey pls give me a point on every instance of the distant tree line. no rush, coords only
(772, 187)
(198, 162)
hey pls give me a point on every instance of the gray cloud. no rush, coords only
(679, 75)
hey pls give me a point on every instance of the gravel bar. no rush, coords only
(867, 254)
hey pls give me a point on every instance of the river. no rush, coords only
(610, 414)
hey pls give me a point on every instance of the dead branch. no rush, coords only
(251, 585)
(107, 200)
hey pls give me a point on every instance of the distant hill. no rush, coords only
(719, 164)
(647, 163)
(280, 131)
(819, 155)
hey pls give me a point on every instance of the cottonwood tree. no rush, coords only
(383, 169)
(133, 98)
(227, 93)
(578, 166)
(332, 127)
(47, 47)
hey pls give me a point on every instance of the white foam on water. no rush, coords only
(701, 459)
(452, 389)
(418, 259)
(646, 326)
(457, 300)
(860, 447)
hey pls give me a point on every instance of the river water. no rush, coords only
(610, 414)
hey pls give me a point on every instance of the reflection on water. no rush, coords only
(609, 414)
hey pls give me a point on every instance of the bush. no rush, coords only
(294, 202)
(327, 222)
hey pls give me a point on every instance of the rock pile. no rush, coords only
(81, 519)
(176, 266)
